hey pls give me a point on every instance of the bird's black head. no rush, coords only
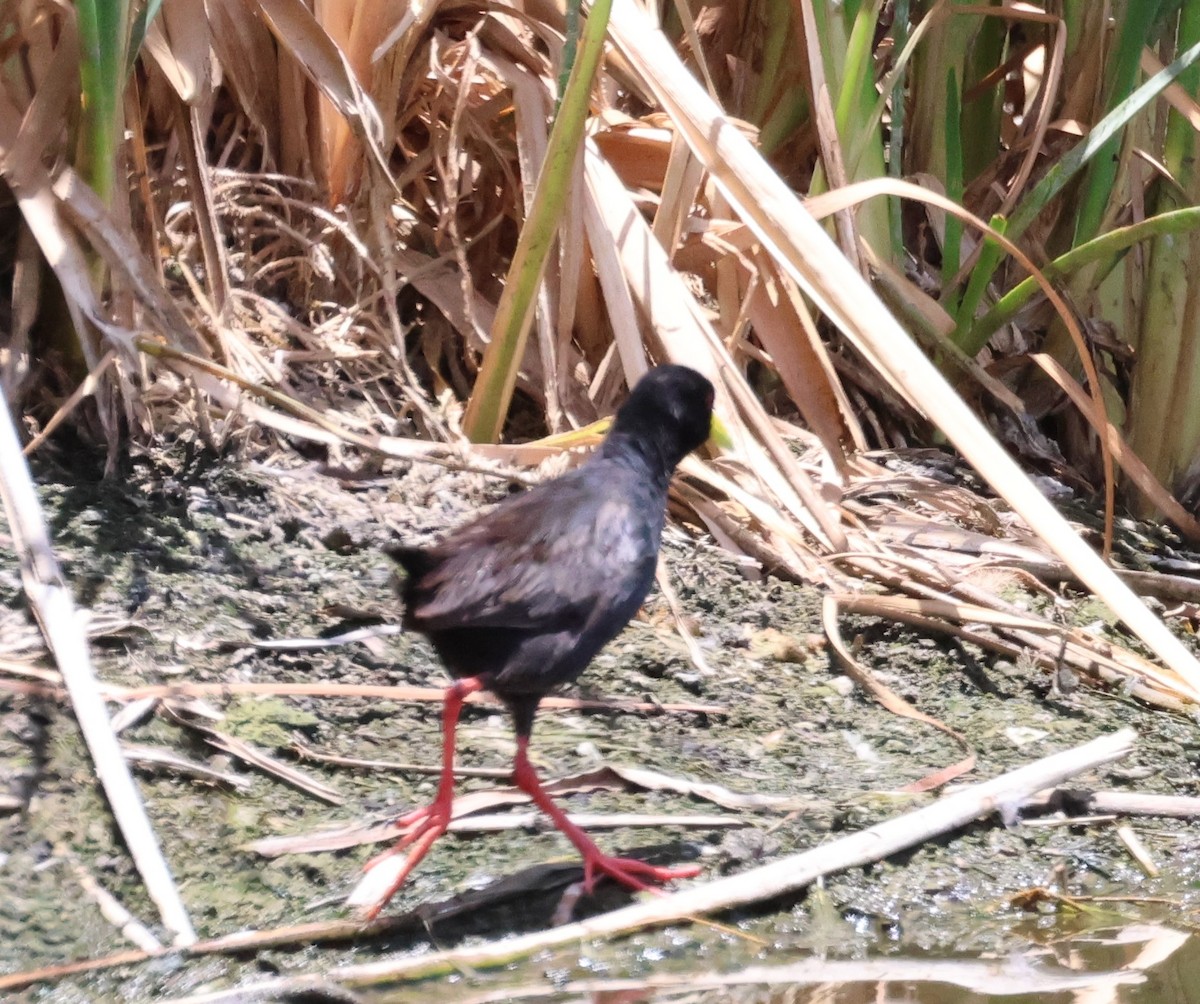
(669, 409)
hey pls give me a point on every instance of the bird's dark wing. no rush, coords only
(543, 560)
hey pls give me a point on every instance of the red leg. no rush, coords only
(423, 826)
(628, 871)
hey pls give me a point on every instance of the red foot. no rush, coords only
(628, 871)
(421, 827)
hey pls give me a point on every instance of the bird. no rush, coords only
(519, 600)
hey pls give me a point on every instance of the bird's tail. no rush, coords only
(415, 561)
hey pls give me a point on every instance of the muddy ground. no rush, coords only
(195, 552)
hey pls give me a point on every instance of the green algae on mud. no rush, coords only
(214, 555)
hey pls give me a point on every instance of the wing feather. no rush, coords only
(542, 560)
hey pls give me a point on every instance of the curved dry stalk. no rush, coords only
(894, 703)
(50, 599)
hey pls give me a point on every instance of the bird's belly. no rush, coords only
(521, 662)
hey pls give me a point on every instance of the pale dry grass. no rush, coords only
(357, 320)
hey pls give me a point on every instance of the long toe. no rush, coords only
(414, 825)
(631, 872)
(385, 873)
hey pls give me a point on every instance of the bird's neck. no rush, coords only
(648, 456)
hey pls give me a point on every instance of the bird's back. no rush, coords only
(528, 593)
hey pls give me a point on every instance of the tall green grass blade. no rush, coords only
(1164, 405)
(1105, 250)
(846, 41)
(1133, 31)
(1179, 147)
(103, 40)
(789, 113)
(952, 244)
(943, 51)
(864, 130)
(981, 114)
(1061, 173)
(570, 48)
(831, 40)
(137, 32)
(857, 75)
(896, 131)
(778, 42)
(989, 257)
(486, 411)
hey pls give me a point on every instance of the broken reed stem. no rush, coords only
(51, 603)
